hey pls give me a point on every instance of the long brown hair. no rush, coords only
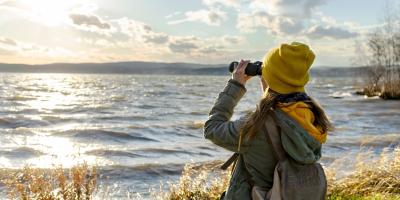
(256, 119)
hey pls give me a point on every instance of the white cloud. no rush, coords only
(183, 44)
(141, 32)
(8, 41)
(228, 3)
(319, 32)
(231, 40)
(212, 17)
(173, 15)
(288, 8)
(276, 25)
(157, 38)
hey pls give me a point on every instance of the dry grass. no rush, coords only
(391, 90)
(370, 180)
(198, 182)
(377, 179)
(387, 90)
(78, 183)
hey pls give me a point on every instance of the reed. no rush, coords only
(377, 179)
(77, 183)
(371, 179)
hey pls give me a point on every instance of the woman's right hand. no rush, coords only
(239, 72)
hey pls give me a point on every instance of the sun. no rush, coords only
(49, 12)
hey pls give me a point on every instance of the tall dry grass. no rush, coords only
(376, 179)
(198, 182)
(78, 183)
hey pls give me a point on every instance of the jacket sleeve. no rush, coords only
(218, 128)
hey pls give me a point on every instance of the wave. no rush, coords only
(388, 141)
(103, 135)
(142, 171)
(204, 113)
(147, 107)
(21, 122)
(162, 151)
(195, 125)
(340, 95)
(117, 98)
(108, 153)
(20, 98)
(169, 151)
(22, 152)
(123, 118)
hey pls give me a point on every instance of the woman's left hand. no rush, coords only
(239, 72)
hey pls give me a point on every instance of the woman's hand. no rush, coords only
(239, 72)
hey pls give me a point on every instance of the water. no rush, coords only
(141, 129)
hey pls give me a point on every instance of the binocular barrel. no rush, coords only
(252, 69)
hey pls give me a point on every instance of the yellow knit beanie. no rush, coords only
(285, 68)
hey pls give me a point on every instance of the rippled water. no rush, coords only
(142, 129)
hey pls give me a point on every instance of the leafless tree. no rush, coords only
(383, 47)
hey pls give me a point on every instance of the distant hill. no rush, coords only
(152, 68)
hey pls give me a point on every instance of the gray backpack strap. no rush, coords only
(274, 137)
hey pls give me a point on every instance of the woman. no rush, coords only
(285, 72)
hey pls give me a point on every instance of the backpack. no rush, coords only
(292, 180)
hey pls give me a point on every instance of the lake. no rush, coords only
(142, 129)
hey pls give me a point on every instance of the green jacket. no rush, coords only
(256, 154)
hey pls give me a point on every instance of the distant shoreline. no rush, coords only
(155, 68)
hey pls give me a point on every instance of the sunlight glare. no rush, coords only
(50, 12)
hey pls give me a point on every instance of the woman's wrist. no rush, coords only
(236, 82)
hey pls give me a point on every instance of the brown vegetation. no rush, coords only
(79, 183)
(374, 179)
(371, 179)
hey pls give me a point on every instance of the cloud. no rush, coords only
(133, 28)
(173, 15)
(89, 21)
(212, 17)
(276, 25)
(183, 44)
(318, 31)
(232, 39)
(227, 3)
(5, 52)
(156, 38)
(8, 41)
(278, 17)
(141, 32)
(288, 8)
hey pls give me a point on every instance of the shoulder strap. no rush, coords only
(274, 136)
(229, 162)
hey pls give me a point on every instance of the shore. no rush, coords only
(377, 178)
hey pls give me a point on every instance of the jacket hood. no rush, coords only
(296, 141)
(302, 114)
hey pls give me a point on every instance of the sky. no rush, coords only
(195, 31)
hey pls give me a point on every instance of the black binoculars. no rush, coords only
(252, 69)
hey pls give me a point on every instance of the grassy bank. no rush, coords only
(371, 179)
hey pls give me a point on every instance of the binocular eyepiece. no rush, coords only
(252, 69)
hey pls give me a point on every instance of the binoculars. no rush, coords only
(252, 69)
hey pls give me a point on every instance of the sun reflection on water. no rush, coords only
(49, 94)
